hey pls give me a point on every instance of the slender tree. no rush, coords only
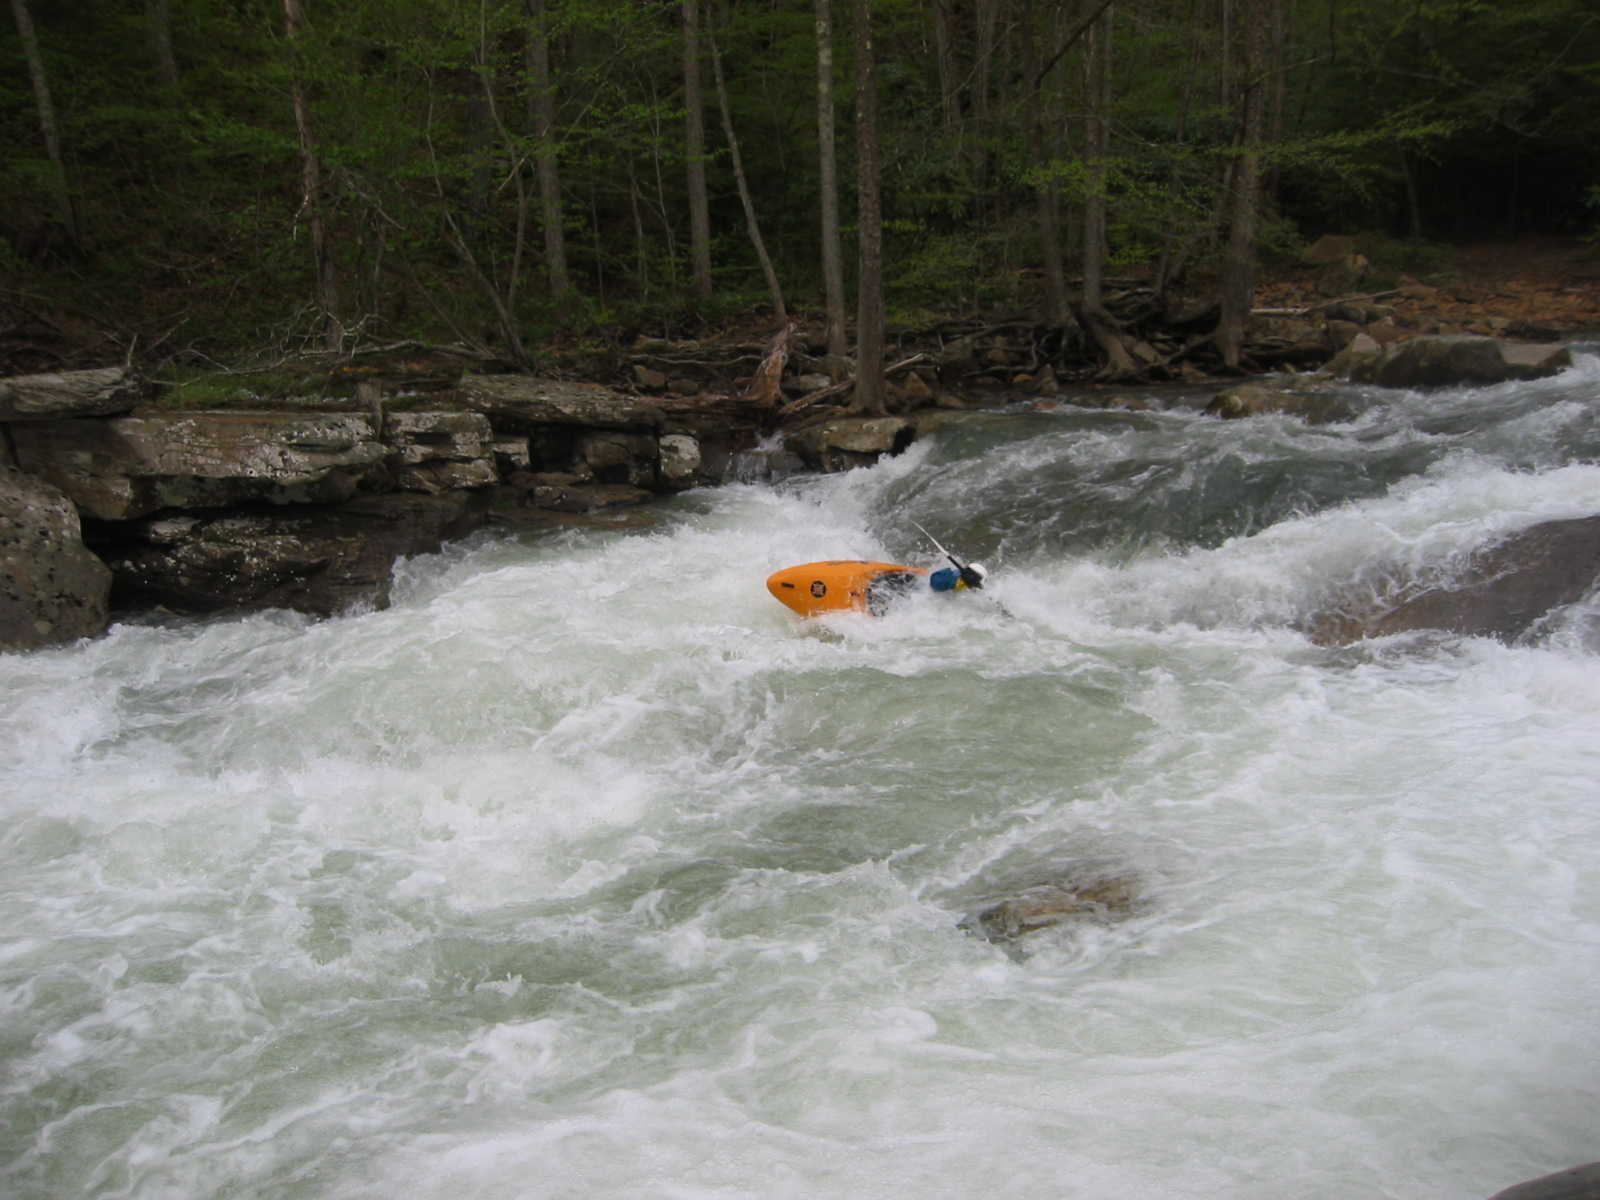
(542, 105)
(1047, 193)
(828, 186)
(695, 152)
(1092, 312)
(311, 191)
(158, 27)
(1242, 200)
(869, 392)
(779, 311)
(66, 212)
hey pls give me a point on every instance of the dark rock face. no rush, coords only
(1504, 592)
(51, 588)
(1576, 1183)
(314, 560)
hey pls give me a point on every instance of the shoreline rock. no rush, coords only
(52, 589)
(1446, 361)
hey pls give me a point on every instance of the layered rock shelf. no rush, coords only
(109, 502)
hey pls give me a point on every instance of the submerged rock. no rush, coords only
(1575, 1183)
(1503, 591)
(1289, 396)
(1052, 904)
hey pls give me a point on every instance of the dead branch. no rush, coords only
(1316, 308)
(764, 388)
(843, 387)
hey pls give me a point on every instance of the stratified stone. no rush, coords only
(437, 452)
(63, 394)
(127, 467)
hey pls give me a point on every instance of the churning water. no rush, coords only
(587, 870)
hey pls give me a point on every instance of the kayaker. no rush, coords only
(952, 579)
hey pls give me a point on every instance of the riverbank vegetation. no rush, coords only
(193, 181)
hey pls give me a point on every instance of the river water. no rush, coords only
(587, 870)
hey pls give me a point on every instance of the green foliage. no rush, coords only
(187, 389)
(1462, 115)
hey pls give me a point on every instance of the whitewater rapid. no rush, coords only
(587, 870)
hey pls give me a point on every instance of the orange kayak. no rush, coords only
(840, 585)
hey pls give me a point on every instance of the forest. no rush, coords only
(199, 180)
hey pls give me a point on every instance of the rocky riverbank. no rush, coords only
(116, 497)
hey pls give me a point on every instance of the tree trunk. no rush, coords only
(543, 108)
(1243, 198)
(1119, 363)
(1176, 243)
(48, 129)
(828, 183)
(515, 160)
(949, 88)
(780, 313)
(695, 151)
(158, 25)
(311, 192)
(986, 17)
(869, 393)
(1047, 194)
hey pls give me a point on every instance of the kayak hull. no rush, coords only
(842, 585)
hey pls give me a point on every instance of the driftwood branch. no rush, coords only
(1316, 308)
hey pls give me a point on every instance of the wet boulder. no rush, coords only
(1503, 591)
(1290, 396)
(845, 442)
(680, 460)
(52, 589)
(1447, 361)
